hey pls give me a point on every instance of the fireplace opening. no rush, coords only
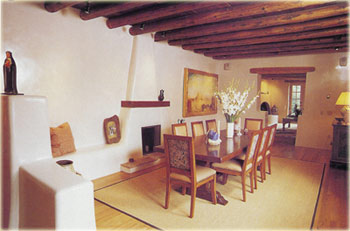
(150, 138)
(265, 107)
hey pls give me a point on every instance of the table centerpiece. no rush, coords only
(234, 103)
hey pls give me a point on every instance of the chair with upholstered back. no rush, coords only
(253, 124)
(260, 156)
(181, 168)
(242, 168)
(179, 129)
(211, 125)
(197, 128)
(269, 145)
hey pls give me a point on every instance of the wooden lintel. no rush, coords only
(295, 80)
(281, 70)
(289, 75)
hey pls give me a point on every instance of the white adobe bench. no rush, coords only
(96, 161)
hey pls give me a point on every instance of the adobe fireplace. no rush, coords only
(150, 138)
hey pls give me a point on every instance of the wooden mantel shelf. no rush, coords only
(133, 104)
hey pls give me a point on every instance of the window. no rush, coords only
(295, 99)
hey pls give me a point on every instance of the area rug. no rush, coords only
(286, 200)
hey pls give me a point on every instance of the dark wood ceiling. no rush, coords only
(230, 29)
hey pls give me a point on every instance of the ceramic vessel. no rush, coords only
(161, 95)
(230, 129)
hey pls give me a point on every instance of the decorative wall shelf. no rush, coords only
(133, 104)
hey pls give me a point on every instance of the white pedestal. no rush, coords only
(25, 138)
(36, 192)
(272, 119)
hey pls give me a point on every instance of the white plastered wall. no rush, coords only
(323, 86)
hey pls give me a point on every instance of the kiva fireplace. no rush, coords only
(150, 138)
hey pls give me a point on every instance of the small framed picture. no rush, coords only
(112, 129)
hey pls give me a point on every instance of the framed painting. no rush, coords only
(199, 89)
(112, 129)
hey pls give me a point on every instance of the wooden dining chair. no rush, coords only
(253, 124)
(260, 156)
(197, 128)
(211, 125)
(269, 145)
(181, 168)
(239, 167)
(179, 129)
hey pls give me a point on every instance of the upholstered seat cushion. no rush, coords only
(202, 173)
(259, 158)
(240, 157)
(234, 165)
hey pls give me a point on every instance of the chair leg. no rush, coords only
(261, 172)
(193, 199)
(183, 190)
(243, 186)
(269, 163)
(251, 175)
(213, 190)
(224, 178)
(264, 168)
(167, 194)
(255, 177)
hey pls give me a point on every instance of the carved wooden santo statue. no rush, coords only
(10, 82)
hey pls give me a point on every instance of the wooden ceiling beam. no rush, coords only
(255, 23)
(112, 9)
(156, 13)
(57, 6)
(285, 29)
(279, 49)
(270, 39)
(228, 13)
(262, 55)
(304, 42)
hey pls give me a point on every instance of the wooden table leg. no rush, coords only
(204, 193)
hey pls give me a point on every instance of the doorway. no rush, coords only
(283, 89)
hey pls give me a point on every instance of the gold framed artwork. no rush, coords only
(199, 89)
(112, 129)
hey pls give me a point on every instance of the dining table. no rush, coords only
(206, 153)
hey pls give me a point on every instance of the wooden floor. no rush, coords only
(331, 213)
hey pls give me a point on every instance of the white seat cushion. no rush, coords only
(202, 173)
(259, 158)
(234, 165)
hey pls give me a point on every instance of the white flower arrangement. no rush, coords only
(234, 101)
